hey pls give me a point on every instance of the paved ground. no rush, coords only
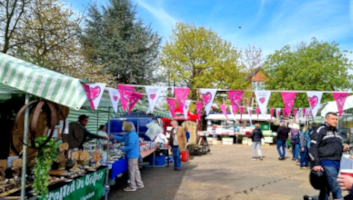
(227, 173)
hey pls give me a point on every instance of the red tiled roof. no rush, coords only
(259, 77)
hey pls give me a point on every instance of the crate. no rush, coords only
(159, 160)
(227, 141)
(198, 149)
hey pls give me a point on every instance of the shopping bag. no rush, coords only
(185, 155)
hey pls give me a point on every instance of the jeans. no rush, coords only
(281, 143)
(304, 158)
(331, 174)
(256, 146)
(296, 148)
(176, 157)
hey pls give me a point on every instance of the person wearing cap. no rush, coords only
(78, 134)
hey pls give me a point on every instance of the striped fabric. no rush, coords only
(41, 82)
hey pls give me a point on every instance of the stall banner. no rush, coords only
(224, 110)
(314, 101)
(88, 187)
(114, 98)
(278, 113)
(125, 95)
(288, 99)
(249, 109)
(295, 111)
(235, 97)
(208, 96)
(186, 107)
(257, 110)
(272, 112)
(171, 105)
(241, 110)
(198, 109)
(94, 92)
(153, 94)
(262, 98)
(181, 94)
(340, 98)
(135, 97)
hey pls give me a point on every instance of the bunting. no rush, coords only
(153, 94)
(114, 98)
(208, 96)
(171, 105)
(314, 99)
(125, 94)
(94, 92)
(135, 97)
(340, 98)
(181, 95)
(224, 110)
(198, 109)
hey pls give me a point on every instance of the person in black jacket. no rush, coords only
(282, 136)
(325, 153)
(256, 137)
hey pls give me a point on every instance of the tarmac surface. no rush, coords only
(226, 173)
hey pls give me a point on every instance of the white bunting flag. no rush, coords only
(278, 113)
(262, 98)
(314, 99)
(250, 114)
(208, 96)
(94, 92)
(186, 108)
(114, 98)
(153, 94)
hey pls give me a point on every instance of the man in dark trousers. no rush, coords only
(282, 136)
(325, 153)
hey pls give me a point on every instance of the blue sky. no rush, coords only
(269, 24)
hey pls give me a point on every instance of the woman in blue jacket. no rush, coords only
(132, 151)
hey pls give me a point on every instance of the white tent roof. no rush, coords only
(237, 117)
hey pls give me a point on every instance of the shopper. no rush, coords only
(177, 141)
(256, 137)
(326, 152)
(295, 140)
(132, 151)
(304, 146)
(282, 135)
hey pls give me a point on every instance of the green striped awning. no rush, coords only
(41, 82)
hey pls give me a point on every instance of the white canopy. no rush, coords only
(237, 117)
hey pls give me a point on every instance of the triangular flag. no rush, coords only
(171, 105)
(198, 109)
(235, 97)
(135, 97)
(309, 112)
(278, 113)
(181, 95)
(153, 94)
(272, 112)
(314, 101)
(186, 108)
(295, 110)
(304, 112)
(241, 109)
(250, 114)
(288, 100)
(94, 92)
(224, 110)
(125, 94)
(114, 98)
(257, 110)
(262, 98)
(340, 98)
(208, 96)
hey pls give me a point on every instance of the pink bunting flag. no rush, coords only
(125, 92)
(284, 111)
(224, 110)
(295, 110)
(272, 112)
(94, 92)
(135, 97)
(288, 99)
(241, 109)
(234, 109)
(340, 98)
(235, 97)
(304, 112)
(171, 105)
(181, 95)
(198, 109)
(257, 110)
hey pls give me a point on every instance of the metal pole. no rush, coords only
(24, 149)
(107, 186)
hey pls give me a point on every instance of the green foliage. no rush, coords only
(45, 158)
(197, 57)
(318, 66)
(121, 43)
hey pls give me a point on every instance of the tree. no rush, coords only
(320, 66)
(11, 12)
(115, 39)
(197, 57)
